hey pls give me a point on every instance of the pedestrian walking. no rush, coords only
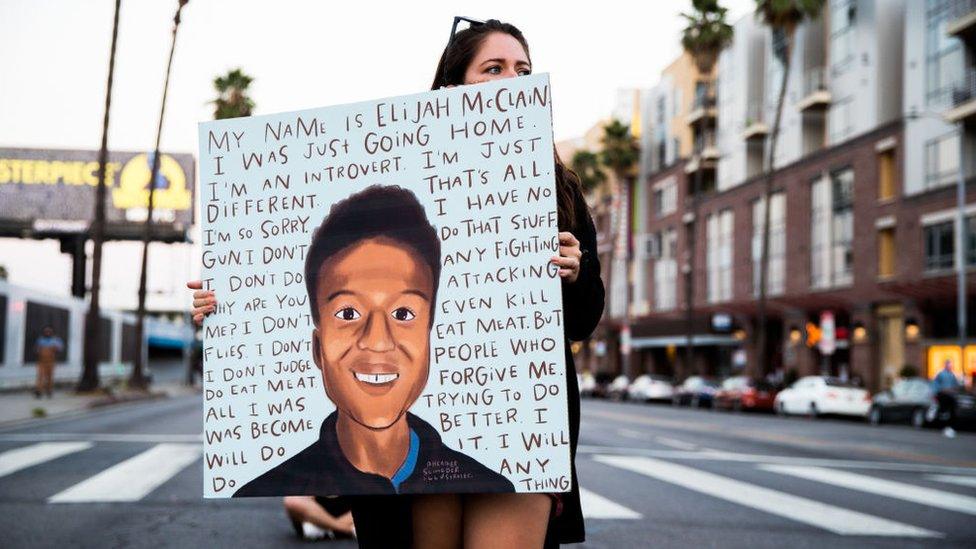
(48, 346)
(945, 384)
(485, 51)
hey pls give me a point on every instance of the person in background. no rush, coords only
(316, 518)
(944, 386)
(49, 346)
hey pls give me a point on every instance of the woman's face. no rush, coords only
(500, 56)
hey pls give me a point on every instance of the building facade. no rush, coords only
(863, 214)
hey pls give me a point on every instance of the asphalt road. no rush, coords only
(653, 476)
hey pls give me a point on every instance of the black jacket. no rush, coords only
(323, 470)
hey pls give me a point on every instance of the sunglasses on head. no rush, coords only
(458, 19)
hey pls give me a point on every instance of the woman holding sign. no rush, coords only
(483, 52)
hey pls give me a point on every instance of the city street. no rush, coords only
(130, 476)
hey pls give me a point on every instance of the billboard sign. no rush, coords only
(51, 192)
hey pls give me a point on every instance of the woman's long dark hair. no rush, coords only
(450, 72)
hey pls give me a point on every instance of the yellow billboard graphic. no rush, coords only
(939, 354)
(53, 172)
(133, 189)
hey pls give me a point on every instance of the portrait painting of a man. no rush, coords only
(372, 272)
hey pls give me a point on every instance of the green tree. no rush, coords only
(232, 99)
(586, 164)
(782, 17)
(704, 37)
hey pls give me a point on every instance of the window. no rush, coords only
(664, 197)
(943, 54)
(832, 229)
(886, 175)
(942, 161)
(3, 326)
(842, 14)
(842, 226)
(37, 317)
(666, 272)
(939, 246)
(840, 123)
(886, 252)
(776, 266)
(719, 256)
(940, 239)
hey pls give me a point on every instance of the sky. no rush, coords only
(302, 54)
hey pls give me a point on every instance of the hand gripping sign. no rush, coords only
(388, 320)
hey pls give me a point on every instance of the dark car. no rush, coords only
(907, 402)
(743, 393)
(696, 391)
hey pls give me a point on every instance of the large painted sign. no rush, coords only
(52, 192)
(389, 319)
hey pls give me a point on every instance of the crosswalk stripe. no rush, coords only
(881, 487)
(12, 461)
(821, 515)
(955, 479)
(135, 477)
(596, 506)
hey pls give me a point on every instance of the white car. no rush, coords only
(617, 389)
(815, 395)
(649, 387)
(587, 384)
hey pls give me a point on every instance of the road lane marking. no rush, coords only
(101, 437)
(881, 487)
(821, 515)
(12, 461)
(716, 455)
(596, 506)
(961, 480)
(675, 443)
(135, 477)
(631, 434)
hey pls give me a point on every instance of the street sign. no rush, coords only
(828, 340)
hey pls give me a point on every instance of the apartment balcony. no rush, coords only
(961, 20)
(705, 155)
(703, 109)
(816, 93)
(756, 128)
(963, 107)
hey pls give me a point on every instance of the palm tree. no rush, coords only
(232, 99)
(138, 379)
(782, 17)
(619, 155)
(704, 37)
(586, 164)
(89, 371)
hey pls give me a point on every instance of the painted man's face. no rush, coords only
(373, 339)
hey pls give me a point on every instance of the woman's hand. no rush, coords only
(204, 301)
(569, 256)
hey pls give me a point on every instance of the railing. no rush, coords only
(814, 80)
(704, 141)
(965, 90)
(959, 8)
(755, 113)
(703, 101)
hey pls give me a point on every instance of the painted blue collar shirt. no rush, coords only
(430, 467)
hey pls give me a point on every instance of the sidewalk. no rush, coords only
(17, 407)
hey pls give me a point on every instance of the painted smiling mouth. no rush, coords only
(376, 379)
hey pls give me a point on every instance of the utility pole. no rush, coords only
(89, 373)
(138, 378)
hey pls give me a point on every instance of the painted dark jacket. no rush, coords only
(323, 470)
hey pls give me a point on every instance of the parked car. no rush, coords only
(744, 393)
(959, 413)
(651, 387)
(696, 391)
(816, 395)
(617, 390)
(587, 384)
(907, 401)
